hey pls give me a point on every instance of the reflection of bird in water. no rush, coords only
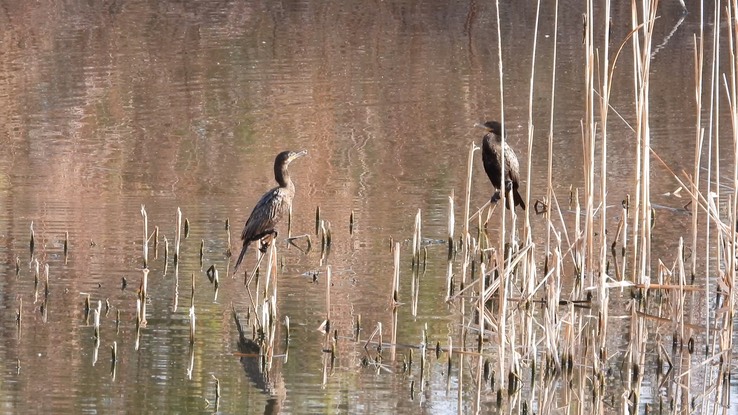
(263, 371)
(491, 157)
(272, 206)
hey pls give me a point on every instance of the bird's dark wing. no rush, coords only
(513, 168)
(265, 215)
(491, 161)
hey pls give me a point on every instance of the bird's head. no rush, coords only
(492, 126)
(286, 157)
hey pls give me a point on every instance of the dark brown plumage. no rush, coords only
(272, 206)
(492, 159)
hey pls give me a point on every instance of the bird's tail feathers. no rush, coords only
(516, 200)
(240, 256)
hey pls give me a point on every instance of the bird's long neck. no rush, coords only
(282, 176)
(494, 138)
(490, 139)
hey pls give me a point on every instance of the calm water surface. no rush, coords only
(106, 106)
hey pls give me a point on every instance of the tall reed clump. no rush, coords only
(526, 318)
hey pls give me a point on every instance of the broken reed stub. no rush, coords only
(32, 244)
(351, 223)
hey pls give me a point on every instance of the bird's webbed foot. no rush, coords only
(495, 198)
(264, 246)
(266, 241)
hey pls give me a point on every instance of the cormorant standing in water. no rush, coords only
(491, 157)
(272, 206)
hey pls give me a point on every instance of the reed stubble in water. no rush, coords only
(177, 236)
(32, 243)
(145, 243)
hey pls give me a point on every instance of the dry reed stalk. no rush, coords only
(732, 251)
(32, 243)
(317, 220)
(191, 366)
(481, 310)
(601, 354)
(96, 321)
(394, 301)
(449, 280)
(193, 318)
(380, 343)
(467, 194)
(641, 229)
(46, 282)
(357, 328)
(579, 256)
(217, 390)
(19, 314)
(502, 318)
(228, 238)
(145, 237)
(351, 222)
(156, 242)
(271, 268)
(166, 250)
(549, 175)
(503, 270)
(417, 240)
(36, 271)
(323, 236)
(526, 226)
(393, 334)
(414, 292)
(178, 236)
(95, 350)
(449, 365)
(451, 224)
(460, 389)
(113, 359)
(588, 145)
(175, 299)
(138, 322)
(680, 313)
(712, 135)
(248, 277)
(371, 337)
(328, 298)
(637, 99)
(423, 355)
(202, 251)
(143, 295)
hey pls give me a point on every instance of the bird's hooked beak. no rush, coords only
(482, 126)
(297, 155)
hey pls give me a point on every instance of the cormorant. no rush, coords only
(491, 157)
(272, 206)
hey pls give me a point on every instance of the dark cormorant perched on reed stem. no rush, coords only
(272, 206)
(492, 159)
